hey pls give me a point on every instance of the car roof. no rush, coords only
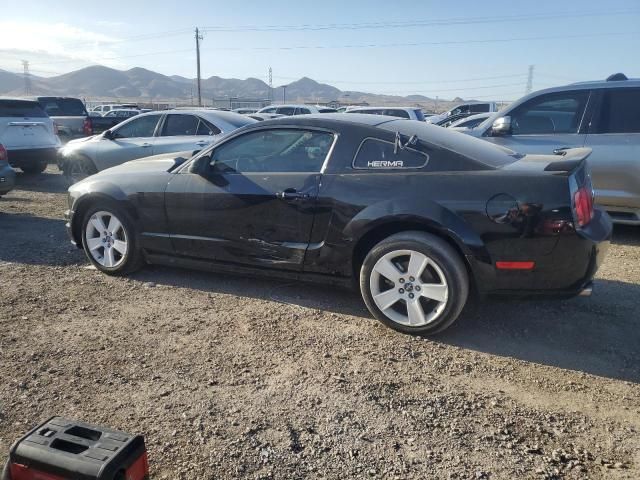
(471, 147)
(371, 120)
(354, 109)
(293, 105)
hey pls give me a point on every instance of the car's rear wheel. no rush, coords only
(109, 240)
(76, 169)
(414, 282)
(35, 168)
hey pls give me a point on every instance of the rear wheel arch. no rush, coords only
(380, 232)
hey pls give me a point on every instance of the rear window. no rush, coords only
(21, 109)
(376, 154)
(396, 112)
(63, 107)
(479, 108)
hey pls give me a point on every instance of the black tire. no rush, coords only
(133, 259)
(445, 257)
(35, 168)
(78, 168)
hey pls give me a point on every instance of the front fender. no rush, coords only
(82, 195)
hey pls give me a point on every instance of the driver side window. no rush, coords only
(552, 113)
(143, 126)
(273, 151)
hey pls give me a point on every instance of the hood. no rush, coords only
(81, 140)
(157, 163)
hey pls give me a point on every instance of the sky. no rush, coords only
(469, 49)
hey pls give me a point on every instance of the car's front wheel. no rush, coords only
(109, 240)
(79, 168)
(414, 282)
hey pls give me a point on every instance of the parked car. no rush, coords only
(102, 109)
(112, 118)
(28, 134)
(463, 110)
(7, 174)
(264, 116)
(245, 110)
(290, 110)
(69, 115)
(601, 115)
(413, 214)
(326, 109)
(469, 122)
(400, 112)
(147, 134)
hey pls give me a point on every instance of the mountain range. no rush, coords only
(99, 83)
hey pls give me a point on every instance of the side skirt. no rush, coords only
(208, 266)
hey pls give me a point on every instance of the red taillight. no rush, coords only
(87, 128)
(583, 205)
(3, 153)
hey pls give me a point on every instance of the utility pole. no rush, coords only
(27, 77)
(270, 85)
(284, 94)
(198, 38)
(530, 80)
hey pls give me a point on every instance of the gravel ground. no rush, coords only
(241, 378)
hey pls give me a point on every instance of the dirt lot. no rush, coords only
(240, 378)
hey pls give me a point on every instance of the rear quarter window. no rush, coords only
(21, 109)
(376, 154)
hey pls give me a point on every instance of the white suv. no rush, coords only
(400, 112)
(28, 134)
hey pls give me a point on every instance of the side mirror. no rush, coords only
(501, 126)
(201, 166)
(108, 134)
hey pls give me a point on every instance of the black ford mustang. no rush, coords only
(413, 214)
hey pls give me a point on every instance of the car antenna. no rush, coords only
(413, 139)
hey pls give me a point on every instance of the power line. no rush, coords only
(415, 82)
(422, 44)
(166, 52)
(462, 89)
(419, 23)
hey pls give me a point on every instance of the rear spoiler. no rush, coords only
(571, 158)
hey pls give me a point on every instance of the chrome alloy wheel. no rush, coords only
(409, 288)
(106, 239)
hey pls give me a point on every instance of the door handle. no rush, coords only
(146, 145)
(291, 194)
(202, 143)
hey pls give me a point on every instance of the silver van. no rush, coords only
(602, 115)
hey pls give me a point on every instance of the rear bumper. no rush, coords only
(7, 179)
(32, 156)
(566, 272)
